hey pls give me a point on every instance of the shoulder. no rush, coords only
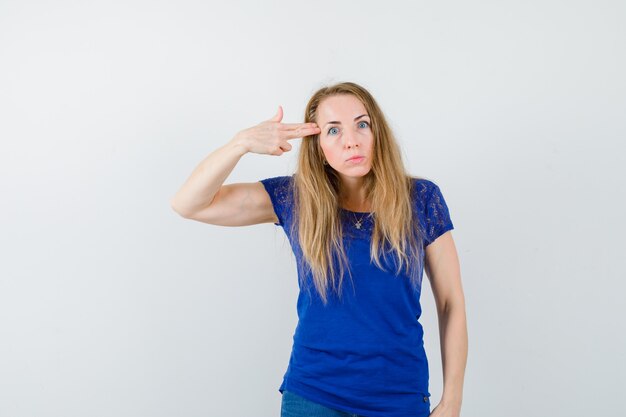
(278, 180)
(422, 189)
(432, 208)
(423, 183)
(428, 198)
(279, 183)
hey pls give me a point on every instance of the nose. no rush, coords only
(350, 140)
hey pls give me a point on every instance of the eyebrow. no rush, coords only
(338, 123)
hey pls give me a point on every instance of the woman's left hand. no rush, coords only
(446, 410)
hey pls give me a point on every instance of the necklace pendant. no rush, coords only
(358, 224)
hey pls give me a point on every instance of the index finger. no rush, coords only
(301, 132)
(291, 126)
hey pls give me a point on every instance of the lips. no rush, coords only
(355, 157)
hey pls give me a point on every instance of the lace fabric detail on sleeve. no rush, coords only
(436, 214)
(280, 192)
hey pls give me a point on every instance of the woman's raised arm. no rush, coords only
(203, 196)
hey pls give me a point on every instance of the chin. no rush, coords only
(355, 173)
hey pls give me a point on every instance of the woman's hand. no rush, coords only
(446, 410)
(271, 137)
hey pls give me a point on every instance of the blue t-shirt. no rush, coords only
(362, 353)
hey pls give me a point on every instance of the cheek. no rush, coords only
(328, 151)
(369, 144)
(327, 146)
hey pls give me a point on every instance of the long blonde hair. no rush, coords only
(388, 188)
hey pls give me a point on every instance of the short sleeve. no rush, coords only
(279, 190)
(437, 215)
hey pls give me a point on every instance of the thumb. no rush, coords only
(278, 116)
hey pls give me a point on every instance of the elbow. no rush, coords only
(177, 209)
(455, 304)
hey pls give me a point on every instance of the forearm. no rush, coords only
(207, 178)
(453, 340)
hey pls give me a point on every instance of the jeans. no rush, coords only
(294, 405)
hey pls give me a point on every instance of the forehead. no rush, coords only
(340, 107)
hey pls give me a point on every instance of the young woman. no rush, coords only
(351, 213)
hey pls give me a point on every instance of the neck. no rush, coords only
(353, 195)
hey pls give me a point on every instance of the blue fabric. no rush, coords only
(362, 353)
(293, 405)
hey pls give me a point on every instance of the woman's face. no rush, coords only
(345, 132)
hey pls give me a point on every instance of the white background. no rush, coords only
(111, 304)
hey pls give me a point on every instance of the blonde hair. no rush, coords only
(388, 188)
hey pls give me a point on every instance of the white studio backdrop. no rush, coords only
(113, 305)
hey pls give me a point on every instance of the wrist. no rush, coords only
(451, 401)
(239, 145)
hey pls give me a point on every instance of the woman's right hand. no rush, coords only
(271, 136)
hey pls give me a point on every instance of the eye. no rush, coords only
(362, 121)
